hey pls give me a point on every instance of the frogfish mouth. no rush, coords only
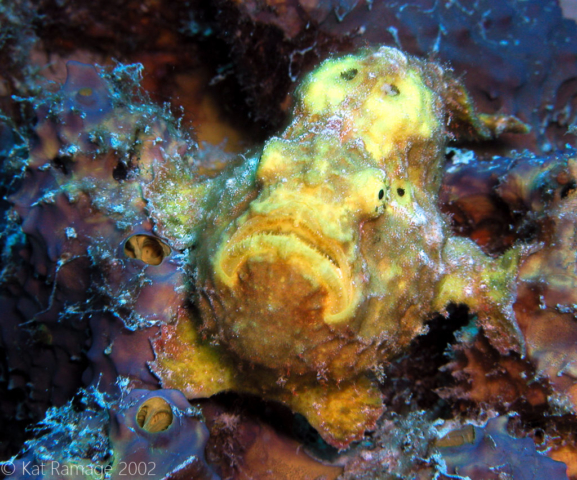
(283, 276)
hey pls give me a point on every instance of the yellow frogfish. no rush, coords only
(325, 256)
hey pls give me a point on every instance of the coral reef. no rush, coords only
(327, 303)
(242, 446)
(538, 195)
(81, 209)
(402, 446)
(85, 277)
(491, 453)
(546, 294)
(76, 433)
(514, 56)
(145, 435)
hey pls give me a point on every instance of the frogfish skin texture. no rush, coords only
(326, 256)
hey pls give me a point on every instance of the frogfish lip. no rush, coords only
(300, 245)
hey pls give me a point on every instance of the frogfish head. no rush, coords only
(295, 279)
(288, 274)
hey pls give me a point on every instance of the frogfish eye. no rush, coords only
(349, 74)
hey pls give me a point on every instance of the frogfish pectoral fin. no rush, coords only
(341, 413)
(487, 285)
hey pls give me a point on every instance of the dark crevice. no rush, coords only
(120, 172)
(62, 163)
(567, 189)
(417, 374)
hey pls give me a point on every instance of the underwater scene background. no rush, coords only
(286, 239)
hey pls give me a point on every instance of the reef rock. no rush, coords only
(545, 307)
(143, 435)
(491, 453)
